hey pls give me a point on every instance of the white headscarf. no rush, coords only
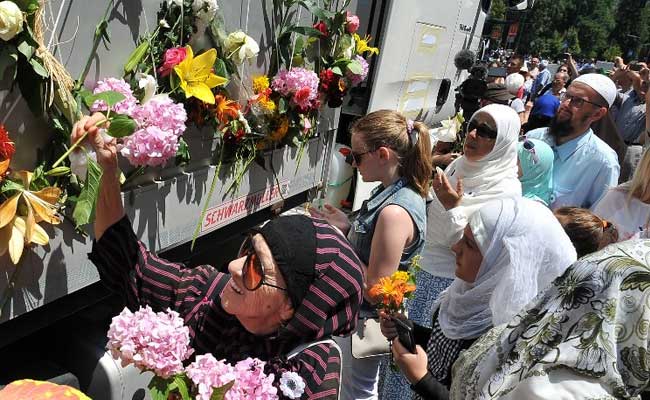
(496, 173)
(524, 249)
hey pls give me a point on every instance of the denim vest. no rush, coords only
(363, 227)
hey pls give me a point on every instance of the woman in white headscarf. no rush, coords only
(486, 171)
(511, 249)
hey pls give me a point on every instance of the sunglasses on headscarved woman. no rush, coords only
(482, 130)
(253, 271)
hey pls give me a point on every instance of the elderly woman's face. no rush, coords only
(468, 257)
(261, 311)
(478, 144)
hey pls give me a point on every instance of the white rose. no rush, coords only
(205, 10)
(149, 84)
(240, 47)
(11, 20)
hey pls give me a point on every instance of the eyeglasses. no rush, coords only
(579, 101)
(482, 130)
(355, 157)
(253, 271)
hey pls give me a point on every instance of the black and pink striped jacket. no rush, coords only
(330, 307)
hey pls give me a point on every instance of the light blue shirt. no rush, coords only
(583, 169)
(542, 79)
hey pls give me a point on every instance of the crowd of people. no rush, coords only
(534, 232)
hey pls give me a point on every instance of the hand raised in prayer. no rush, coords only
(413, 366)
(333, 216)
(106, 149)
(446, 194)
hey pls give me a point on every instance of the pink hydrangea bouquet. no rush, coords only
(160, 343)
(299, 86)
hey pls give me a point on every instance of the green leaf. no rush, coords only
(39, 68)
(221, 69)
(27, 6)
(122, 126)
(321, 13)
(337, 70)
(84, 210)
(183, 152)
(136, 56)
(9, 186)
(355, 67)
(220, 392)
(26, 49)
(282, 105)
(181, 385)
(158, 388)
(8, 59)
(110, 97)
(305, 30)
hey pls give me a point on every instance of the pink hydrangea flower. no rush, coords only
(150, 146)
(352, 22)
(251, 383)
(126, 106)
(163, 112)
(207, 373)
(299, 83)
(357, 79)
(157, 342)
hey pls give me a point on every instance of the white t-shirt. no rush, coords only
(631, 219)
(518, 105)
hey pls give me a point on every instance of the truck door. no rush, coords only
(421, 38)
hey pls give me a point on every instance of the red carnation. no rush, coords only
(7, 147)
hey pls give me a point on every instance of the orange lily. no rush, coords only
(226, 110)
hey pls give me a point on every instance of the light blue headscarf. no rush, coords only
(537, 167)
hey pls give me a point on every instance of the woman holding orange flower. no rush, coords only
(389, 230)
(511, 249)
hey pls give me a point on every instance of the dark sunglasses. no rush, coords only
(253, 271)
(356, 158)
(482, 130)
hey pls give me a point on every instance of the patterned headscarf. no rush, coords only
(585, 337)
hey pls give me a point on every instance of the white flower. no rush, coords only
(292, 385)
(149, 84)
(240, 47)
(176, 2)
(163, 23)
(244, 122)
(205, 10)
(79, 161)
(11, 20)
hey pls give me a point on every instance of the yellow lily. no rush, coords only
(362, 45)
(196, 76)
(15, 230)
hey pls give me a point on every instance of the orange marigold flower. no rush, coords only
(226, 110)
(7, 147)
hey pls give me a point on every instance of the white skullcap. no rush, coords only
(544, 63)
(514, 82)
(603, 85)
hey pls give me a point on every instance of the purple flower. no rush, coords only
(157, 342)
(150, 146)
(357, 79)
(126, 106)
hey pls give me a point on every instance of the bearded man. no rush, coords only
(585, 167)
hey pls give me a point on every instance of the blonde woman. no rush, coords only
(627, 206)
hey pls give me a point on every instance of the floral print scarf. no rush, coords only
(585, 337)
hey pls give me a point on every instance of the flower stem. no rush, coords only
(76, 144)
(101, 28)
(213, 185)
